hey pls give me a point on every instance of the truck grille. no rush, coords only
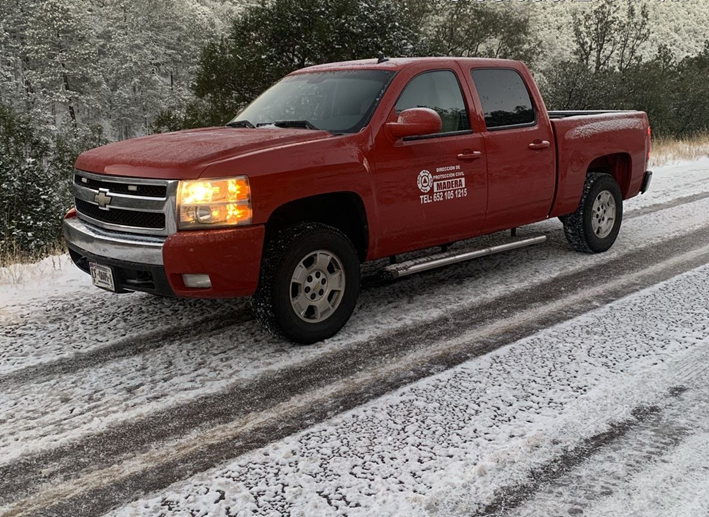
(122, 217)
(131, 205)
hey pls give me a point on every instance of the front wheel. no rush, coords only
(594, 227)
(309, 283)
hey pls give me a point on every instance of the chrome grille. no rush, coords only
(129, 218)
(131, 205)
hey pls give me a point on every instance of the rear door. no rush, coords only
(431, 189)
(520, 149)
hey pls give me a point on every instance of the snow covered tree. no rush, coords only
(33, 192)
(60, 51)
(74, 73)
(114, 63)
(150, 51)
(604, 38)
(472, 29)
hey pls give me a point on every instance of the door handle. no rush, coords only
(539, 144)
(469, 156)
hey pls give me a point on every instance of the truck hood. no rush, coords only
(185, 154)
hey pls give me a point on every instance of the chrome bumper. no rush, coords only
(139, 249)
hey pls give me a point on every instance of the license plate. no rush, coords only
(102, 276)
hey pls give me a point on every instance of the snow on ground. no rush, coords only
(659, 468)
(674, 181)
(446, 444)
(52, 276)
(54, 409)
(675, 486)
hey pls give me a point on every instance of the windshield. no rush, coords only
(338, 101)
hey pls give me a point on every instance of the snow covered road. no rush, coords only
(463, 442)
(104, 398)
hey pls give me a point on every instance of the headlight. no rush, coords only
(214, 203)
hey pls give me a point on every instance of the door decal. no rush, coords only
(447, 184)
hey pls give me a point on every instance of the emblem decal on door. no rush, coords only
(448, 183)
(425, 181)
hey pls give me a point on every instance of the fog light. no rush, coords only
(197, 281)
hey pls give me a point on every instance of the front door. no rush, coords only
(431, 190)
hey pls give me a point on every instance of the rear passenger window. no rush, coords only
(504, 98)
(441, 92)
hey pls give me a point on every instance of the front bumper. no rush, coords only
(141, 249)
(136, 261)
(231, 258)
(127, 276)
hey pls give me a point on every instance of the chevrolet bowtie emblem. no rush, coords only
(102, 199)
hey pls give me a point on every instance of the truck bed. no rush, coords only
(582, 135)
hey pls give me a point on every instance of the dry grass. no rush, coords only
(14, 262)
(671, 150)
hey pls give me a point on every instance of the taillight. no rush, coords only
(649, 141)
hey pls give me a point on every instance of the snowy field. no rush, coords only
(597, 404)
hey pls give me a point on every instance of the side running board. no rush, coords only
(411, 267)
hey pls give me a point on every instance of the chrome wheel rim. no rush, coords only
(317, 286)
(604, 214)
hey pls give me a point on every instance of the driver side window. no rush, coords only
(439, 91)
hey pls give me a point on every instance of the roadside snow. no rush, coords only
(56, 275)
(674, 182)
(447, 444)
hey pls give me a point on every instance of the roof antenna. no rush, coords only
(381, 58)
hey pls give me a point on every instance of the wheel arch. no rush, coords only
(618, 165)
(343, 210)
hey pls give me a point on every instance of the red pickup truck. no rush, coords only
(344, 163)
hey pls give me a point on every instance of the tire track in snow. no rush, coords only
(97, 358)
(442, 445)
(583, 477)
(43, 332)
(145, 342)
(238, 406)
(650, 209)
(657, 425)
(126, 347)
(511, 498)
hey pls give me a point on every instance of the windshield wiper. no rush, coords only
(241, 123)
(299, 124)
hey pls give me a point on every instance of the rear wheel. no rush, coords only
(594, 227)
(309, 283)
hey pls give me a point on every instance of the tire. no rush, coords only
(594, 231)
(312, 253)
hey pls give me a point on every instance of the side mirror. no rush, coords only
(415, 122)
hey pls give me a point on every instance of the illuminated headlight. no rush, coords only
(214, 203)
